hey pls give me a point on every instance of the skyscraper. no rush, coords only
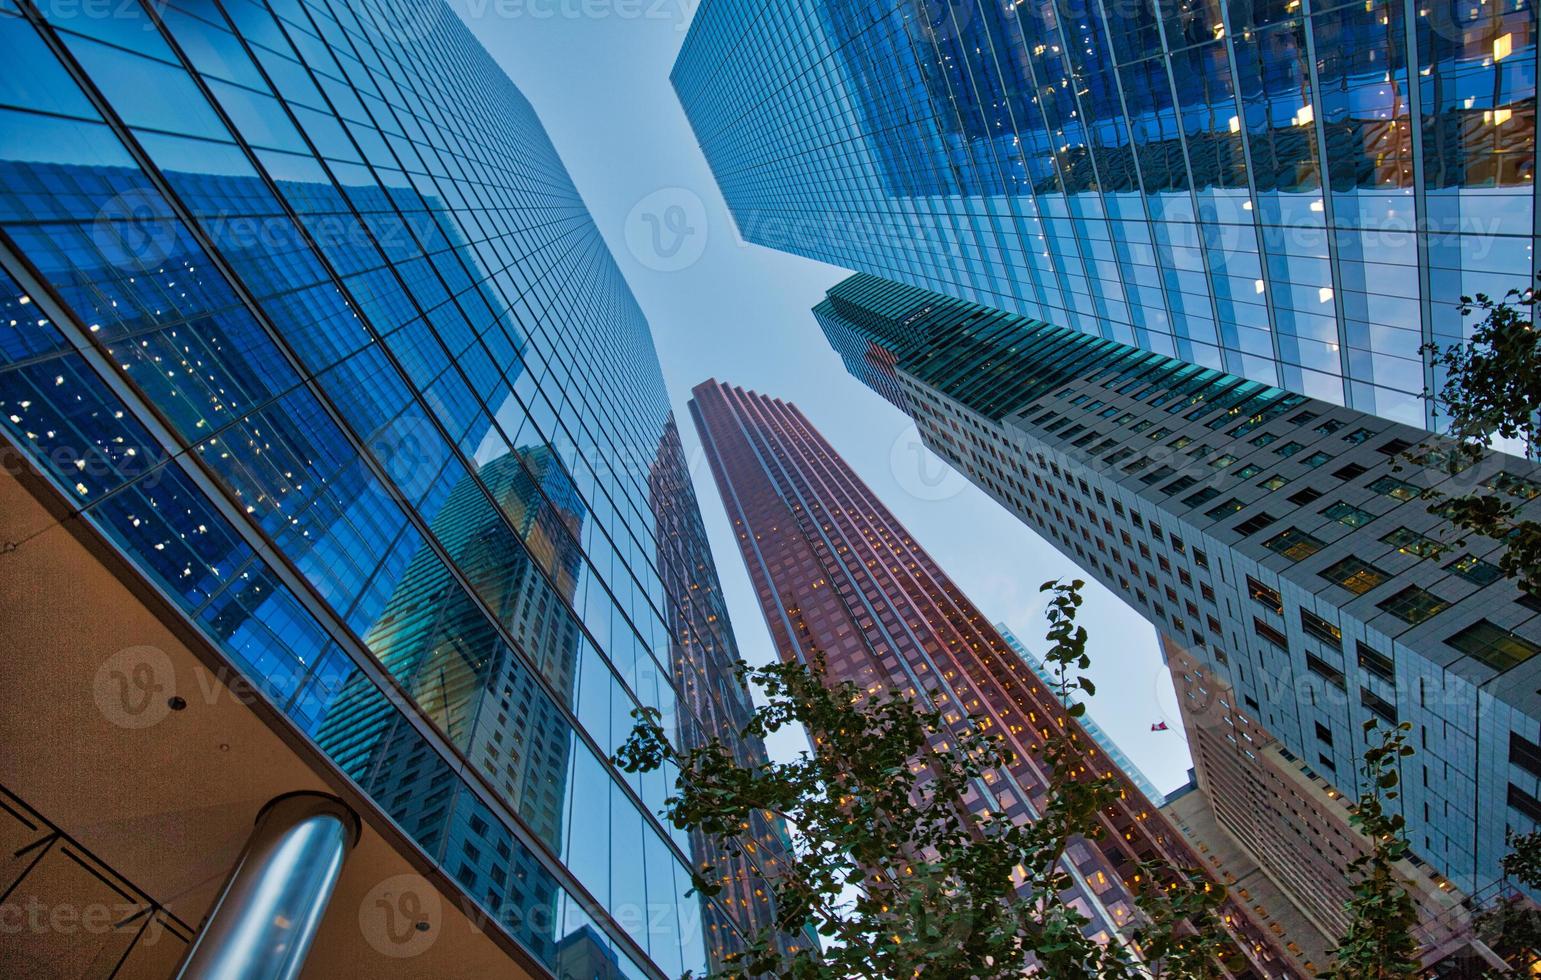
(1294, 193)
(317, 361)
(1276, 537)
(835, 572)
(1104, 741)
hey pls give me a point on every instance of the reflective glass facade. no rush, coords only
(835, 572)
(300, 310)
(1278, 541)
(1293, 191)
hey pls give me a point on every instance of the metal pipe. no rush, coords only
(262, 925)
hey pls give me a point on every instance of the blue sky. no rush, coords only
(597, 72)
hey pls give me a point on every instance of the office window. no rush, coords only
(1273, 482)
(1317, 459)
(1378, 705)
(1294, 544)
(1247, 471)
(1265, 596)
(1289, 449)
(1525, 754)
(1322, 630)
(1302, 497)
(1493, 645)
(1390, 486)
(1225, 509)
(1330, 426)
(1375, 662)
(1515, 486)
(1415, 605)
(1323, 733)
(1324, 670)
(1354, 574)
(1264, 439)
(1410, 542)
(1178, 485)
(1221, 462)
(1270, 634)
(1347, 514)
(1358, 436)
(1394, 447)
(1474, 569)
(1525, 803)
(1350, 471)
(1202, 497)
(1254, 524)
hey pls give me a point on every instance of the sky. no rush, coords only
(597, 72)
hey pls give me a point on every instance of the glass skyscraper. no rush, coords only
(1293, 191)
(836, 573)
(1280, 541)
(302, 313)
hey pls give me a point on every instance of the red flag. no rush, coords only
(1159, 726)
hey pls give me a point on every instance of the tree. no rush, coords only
(1492, 390)
(893, 868)
(1379, 944)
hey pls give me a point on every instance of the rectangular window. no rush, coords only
(1323, 733)
(1474, 569)
(1394, 448)
(1325, 671)
(1221, 462)
(1270, 634)
(1410, 542)
(1273, 483)
(1495, 646)
(1525, 754)
(1289, 449)
(1525, 803)
(1317, 459)
(1350, 471)
(1265, 596)
(1322, 630)
(1376, 663)
(1354, 574)
(1157, 475)
(1515, 486)
(1358, 436)
(1178, 485)
(1247, 471)
(1390, 486)
(1347, 514)
(1378, 705)
(1225, 509)
(1254, 524)
(1294, 544)
(1302, 497)
(1414, 605)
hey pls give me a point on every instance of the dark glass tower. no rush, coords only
(835, 572)
(1293, 192)
(303, 317)
(1277, 539)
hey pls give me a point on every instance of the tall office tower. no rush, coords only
(1276, 536)
(1266, 818)
(342, 495)
(1293, 193)
(1104, 741)
(835, 572)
